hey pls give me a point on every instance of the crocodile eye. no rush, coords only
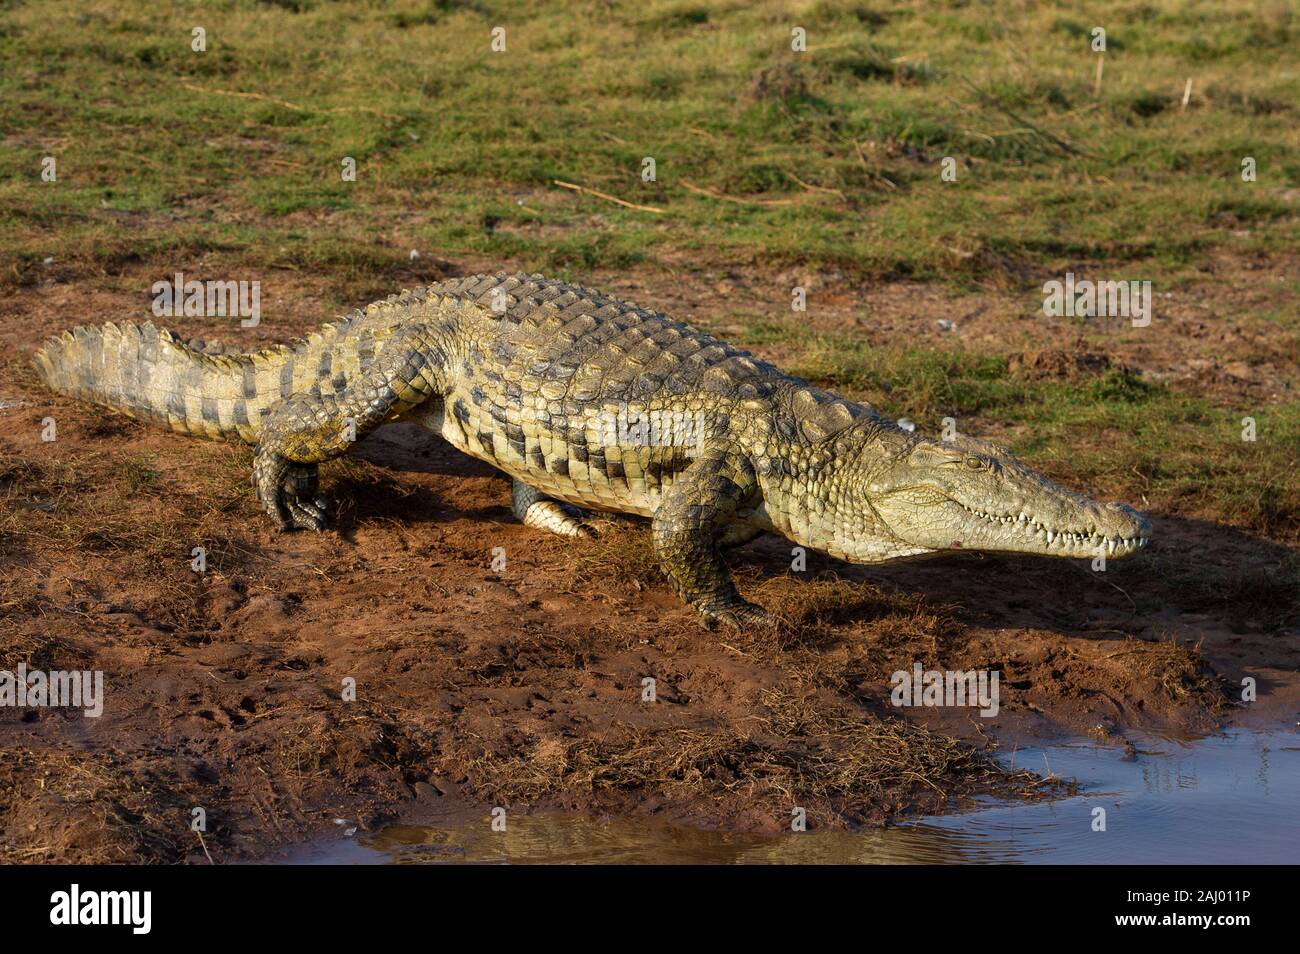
(976, 463)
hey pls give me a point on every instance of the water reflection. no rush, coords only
(1228, 799)
(564, 839)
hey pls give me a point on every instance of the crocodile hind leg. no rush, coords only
(685, 528)
(307, 428)
(540, 513)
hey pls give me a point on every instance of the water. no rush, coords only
(1229, 799)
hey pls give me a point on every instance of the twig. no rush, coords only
(205, 846)
(288, 105)
(1187, 92)
(815, 188)
(731, 198)
(862, 158)
(606, 196)
(146, 159)
(991, 101)
(1093, 575)
(1132, 602)
(701, 132)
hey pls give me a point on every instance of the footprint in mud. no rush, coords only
(222, 717)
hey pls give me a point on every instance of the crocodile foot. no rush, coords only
(542, 513)
(740, 616)
(290, 492)
(556, 518)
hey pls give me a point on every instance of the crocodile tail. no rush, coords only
(151, 374)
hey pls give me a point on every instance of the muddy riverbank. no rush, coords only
(522, 686)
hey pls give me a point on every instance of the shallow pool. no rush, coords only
(1229, 799)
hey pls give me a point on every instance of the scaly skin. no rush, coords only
(535, 377)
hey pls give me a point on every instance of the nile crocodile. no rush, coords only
(590, 402)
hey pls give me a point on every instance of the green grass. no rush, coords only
(457, 147)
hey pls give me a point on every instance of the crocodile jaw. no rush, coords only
(973, 496)
(1091, 529)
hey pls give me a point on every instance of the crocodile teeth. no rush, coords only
(1065, 539)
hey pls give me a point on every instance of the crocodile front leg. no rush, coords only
(305, 429)
(685, 529)
(737, 535)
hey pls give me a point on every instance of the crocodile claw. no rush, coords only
(740, 616)
(307, 515)
(289, 494)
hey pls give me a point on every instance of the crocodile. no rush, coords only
(590, 403)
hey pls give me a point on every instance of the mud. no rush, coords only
(523, 687)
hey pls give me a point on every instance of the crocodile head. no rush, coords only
(967, 495)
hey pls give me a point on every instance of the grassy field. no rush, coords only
(765, 158)
(238, 149)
